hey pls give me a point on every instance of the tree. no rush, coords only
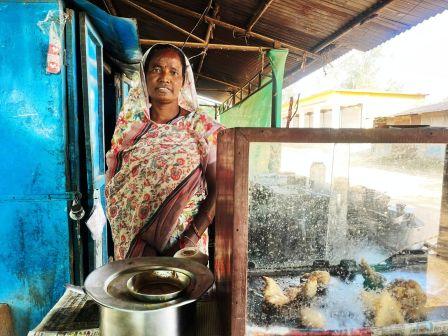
(360, 70)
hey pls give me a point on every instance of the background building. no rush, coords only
(350, 108)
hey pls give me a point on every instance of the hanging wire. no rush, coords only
(107, 7)
(201, 53)
(204, 13)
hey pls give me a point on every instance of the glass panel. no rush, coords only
(96, 132)
(330, 206)
(93, 95)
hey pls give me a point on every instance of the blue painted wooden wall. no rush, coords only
(34, 226)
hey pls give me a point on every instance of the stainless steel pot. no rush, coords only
(171, 321)
(158, 285)
(122, 314)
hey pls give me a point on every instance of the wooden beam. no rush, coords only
(111, 8)
(195, 45)
(260, 11)
(357, 20)
(219, 81)
(233, 28)
(208, 37)
(162, 20)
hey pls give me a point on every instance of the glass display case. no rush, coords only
(335, 231)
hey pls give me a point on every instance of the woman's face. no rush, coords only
(164, 77)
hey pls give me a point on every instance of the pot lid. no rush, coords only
(107, 285)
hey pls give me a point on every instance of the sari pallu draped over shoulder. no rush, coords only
(154, 181)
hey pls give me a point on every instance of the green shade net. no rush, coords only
(277, 57)
(256, 111)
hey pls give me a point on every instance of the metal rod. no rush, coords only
(162, 20)
(258, 86)
(213, 90)
(218, 81)
(225, 106)
(260, 11)
(208, 19)
(360, 19)
(203, 45)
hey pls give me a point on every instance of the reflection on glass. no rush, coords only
(329, 206)
(95, 113)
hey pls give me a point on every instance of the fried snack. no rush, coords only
(372, 279)
(308, 289)
(311, 318)
(322, 277)
(384, 308)
(304, 291)
(401, 301)
(273, 294)
(411, 297)
(291, 301)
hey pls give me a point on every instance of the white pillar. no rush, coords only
(302, 118)
(316, 116)
(336, 116)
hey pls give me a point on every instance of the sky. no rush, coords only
(416, 60)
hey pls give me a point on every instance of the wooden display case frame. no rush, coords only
(231, 237)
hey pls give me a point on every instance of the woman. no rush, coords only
(160, 187)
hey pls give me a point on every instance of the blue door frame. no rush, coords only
(91, 49)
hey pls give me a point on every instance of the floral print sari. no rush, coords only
(159, 184)
(155, 181)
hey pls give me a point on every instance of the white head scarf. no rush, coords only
(134, 114)
(188, 99)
